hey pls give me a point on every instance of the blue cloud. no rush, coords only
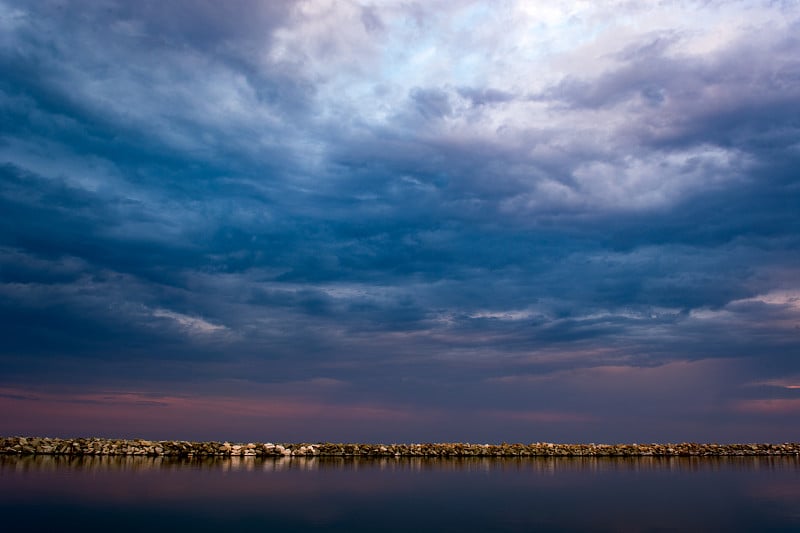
(394, 198)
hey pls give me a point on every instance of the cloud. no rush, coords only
(484, 96)
(431, 103)
(412, 198)
(192, 325)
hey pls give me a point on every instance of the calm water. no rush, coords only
(643, 494)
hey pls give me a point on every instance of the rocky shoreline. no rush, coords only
(141, 447)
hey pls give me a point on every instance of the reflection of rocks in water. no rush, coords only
(538, 465)
(357, 493)
(94, 447)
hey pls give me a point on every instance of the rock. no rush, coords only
(139, 447)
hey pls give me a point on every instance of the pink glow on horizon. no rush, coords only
(671, 381)
(780, 406)
(27, 412)
(549, 417)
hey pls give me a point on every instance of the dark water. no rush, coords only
(564, 494)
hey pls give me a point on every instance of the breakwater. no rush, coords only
(173, 448)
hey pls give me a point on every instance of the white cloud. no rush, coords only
(190, 324)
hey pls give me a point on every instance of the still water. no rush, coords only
(531, 494)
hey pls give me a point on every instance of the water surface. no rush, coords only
(47, 493)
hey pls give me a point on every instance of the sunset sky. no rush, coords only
(400, 221)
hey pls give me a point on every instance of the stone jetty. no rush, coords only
(173, 448)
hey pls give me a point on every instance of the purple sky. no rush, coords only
(400, 221)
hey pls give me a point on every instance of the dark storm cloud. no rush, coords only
(196, 193)
(431, 103)
(484, 96)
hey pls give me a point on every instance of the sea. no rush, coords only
(642, 494)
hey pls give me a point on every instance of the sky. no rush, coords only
(400, 221)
